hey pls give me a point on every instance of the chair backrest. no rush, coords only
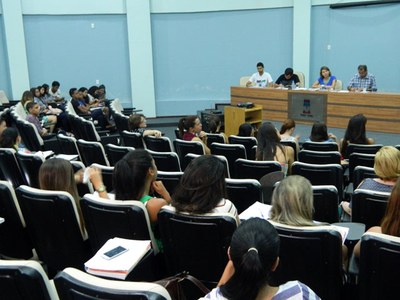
(293, 145)
(166, 161)
(215, 138)
(329, 174)
(121, 122)
(10, 167)
(268, 182)
(14, 239)
(232, 152)
(339, 85)
(3, 98)
(92, 152)
(326, 201)
(73, 284)
(301, 78)
(247, 141)
(18, 111)
(24, 280)
(360, 173)
(318, 146)
(243, 80)
(159, 144)
(30, 135)
(190, 156)
(68, 144)
(243, 192)
(312, 255)
(360, 159)
(397, 147)
(320, 157)
(170, 179)
(132, 139)
(30, 164)
(89, 130)
(106, 219)
(245, 168)
(368, 207)
(196, 243)
(184, 147)
(116, 153)
(359, 148)
(379, 260)
(106, 173)
(54, 226)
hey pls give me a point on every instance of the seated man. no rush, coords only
(362, 81)
(32, 117)
(55, 93)
(287, 79)
(260, 78)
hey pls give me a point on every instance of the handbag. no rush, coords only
(175, 285)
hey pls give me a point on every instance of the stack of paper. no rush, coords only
(257, 210)
(120, 266)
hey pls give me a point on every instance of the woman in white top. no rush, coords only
(287, 130)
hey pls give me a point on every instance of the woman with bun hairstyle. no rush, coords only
(190, 129)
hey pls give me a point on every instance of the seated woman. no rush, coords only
(10, 138)
(270, 148)
(390, 223)
(190, 129)
(355, 134)
(387, 168)
(319, 133)
(246, 130)
(253, 256)
(287, 129)
(137, 123)
(202, 188)
(214, 126)
(326, 79)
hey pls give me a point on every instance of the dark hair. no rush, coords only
(355, 132)
(9, 137)
(245, 129)
(86, 98)
(289, 71)
(391, 221)
(134, 121)
(27, 96)
(201, 187)
(362, 67)
(186, 123)
(130, 174)
(324, 68)
(268, 142)
(319, 132)
(72, 91)
(29, 105)
(33, 91)
(55, 83)
(288, 124)
(260, 64)
(214, 122)
(254, 251)
(92, 90)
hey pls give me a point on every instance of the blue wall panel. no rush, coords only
(4, 72)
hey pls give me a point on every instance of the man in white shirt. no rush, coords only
(55, 92)
(261, 78)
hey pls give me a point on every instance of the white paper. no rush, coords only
(344, 231)
(257, 210)
(67, 156)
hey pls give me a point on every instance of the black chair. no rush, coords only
(268, 183)
(102, 136)
(360, 159)
(184, 147)
(247, 141)
(243, 192)
(232, 152)
(312, 255)
(55, 228)
(158, 144)
(132, 139)
(319, 157)
(190, 156)
(10, 168)
(30, 164)
(215, 138)
(368, 207)
(116, 153)
(318, 146)
(166, 161)
(92, 152)
(366, 149)
(14, 239)
(106, 173)
(68, 145)
(73, 284)
(397, 147)
(329, 174)
(251, 169)
(293, 145)
(196, 243)
(129, 220)
(360, 173)
(121, 122)
(25, 280)
(326, 201)
(379, 261)
(169, 179)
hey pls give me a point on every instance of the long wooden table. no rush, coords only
(381, 109)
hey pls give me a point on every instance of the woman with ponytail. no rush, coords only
(253, 256)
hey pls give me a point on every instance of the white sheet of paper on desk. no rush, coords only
(257, 210)
(344, 231)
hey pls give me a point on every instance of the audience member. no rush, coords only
(214, 126)
(46, 115)
(3, 123)
(287, 130)
(44, 94)
(319, 133)
(27, 96)
(355, 134)
(138, 123)
(270, 148)
(387, 168)
(55, 92)
(253, 256)
(287, 79)
(246, 130)
(325, 80)
(33, 117)
(10, 138)
(362, 81)
(190, 129)
(202, 188)
(260, 78)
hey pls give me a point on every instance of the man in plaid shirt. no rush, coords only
(362, 81)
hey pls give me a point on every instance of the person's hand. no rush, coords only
(44, 132)
(332, 136)
(156, 133)
(202, 134)
(297, 137)
(79, 176)
(160, 189)
(95, 177)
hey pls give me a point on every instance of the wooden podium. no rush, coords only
(236, 116)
